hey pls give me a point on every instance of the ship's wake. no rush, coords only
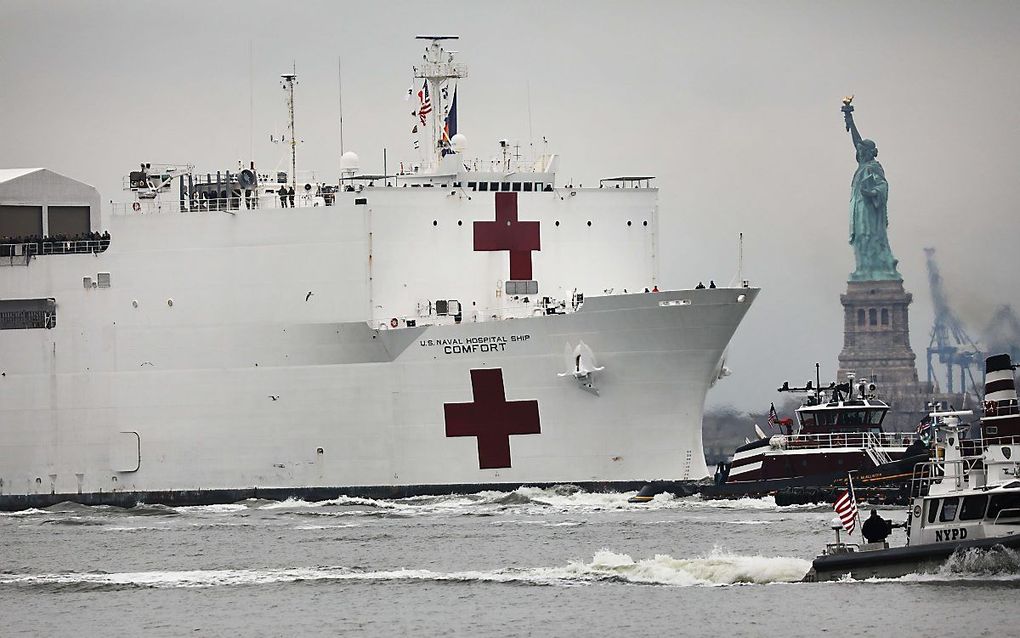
(605, 567)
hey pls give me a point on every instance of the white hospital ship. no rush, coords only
(455, 325)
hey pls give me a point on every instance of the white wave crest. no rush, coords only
(606, 566)
(718, 568)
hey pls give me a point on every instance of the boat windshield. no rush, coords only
(842, 418)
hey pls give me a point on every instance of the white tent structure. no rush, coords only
(38, 201)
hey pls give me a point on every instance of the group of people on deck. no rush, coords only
(58, 244)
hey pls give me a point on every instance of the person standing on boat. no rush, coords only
(876, 529)
(283, 196)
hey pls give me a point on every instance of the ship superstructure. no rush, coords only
(445, 326)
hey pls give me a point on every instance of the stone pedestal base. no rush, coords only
(876, 346)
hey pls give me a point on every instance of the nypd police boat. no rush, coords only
(965, 499)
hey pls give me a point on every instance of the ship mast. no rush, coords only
(289, 81)
(437, 68)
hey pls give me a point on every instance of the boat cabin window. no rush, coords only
(949, 507)
(483, 186)
(1005, 508)
(855, 417)
(876, 417)
(806, 418)
(517, 187)
(493, 186)
(528, 186)
(506, 186)
(933, 509)
(973, 507)
(827, 417)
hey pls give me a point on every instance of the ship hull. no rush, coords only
(367, 410)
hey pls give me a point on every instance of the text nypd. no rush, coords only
(469, 345)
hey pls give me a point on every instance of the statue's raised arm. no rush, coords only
(848, 117)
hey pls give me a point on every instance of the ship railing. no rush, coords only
(25, 250)
(849, 440)
(231, 205)
(1006, 407)
(81, 246)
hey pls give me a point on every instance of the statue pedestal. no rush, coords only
(876, 346)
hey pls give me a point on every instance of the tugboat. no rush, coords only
(837, 430)
(967, 497)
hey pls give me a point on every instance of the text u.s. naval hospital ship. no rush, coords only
(454, 326)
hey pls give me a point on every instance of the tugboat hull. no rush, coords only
(899, 561)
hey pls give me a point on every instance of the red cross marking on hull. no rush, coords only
(507, 233)
(491, 418)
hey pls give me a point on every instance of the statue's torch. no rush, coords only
(847, 110)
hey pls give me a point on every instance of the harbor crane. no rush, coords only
(950, 342)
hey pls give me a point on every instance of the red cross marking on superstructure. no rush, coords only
(491, 418)
(507, 233)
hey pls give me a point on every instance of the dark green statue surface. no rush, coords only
(869, 215)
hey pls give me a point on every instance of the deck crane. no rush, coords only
(949, 340)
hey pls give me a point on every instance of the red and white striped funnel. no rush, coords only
(999, 383)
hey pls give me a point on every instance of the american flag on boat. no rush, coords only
(773, 417)
(846, 509)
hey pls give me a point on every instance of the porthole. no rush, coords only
(557, 223)
(435, 222)
(629, 222)
(644, 223)
(460, 222)
(589, 223)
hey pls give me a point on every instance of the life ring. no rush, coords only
(136, 207)
(394, 323)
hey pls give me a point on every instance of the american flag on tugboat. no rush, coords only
(846, 508)
(773, 417)
(426, 102)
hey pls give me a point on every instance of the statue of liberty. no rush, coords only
(869, 215)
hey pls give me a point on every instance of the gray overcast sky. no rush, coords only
(734, 106)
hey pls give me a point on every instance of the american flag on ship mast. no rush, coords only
(426, 102)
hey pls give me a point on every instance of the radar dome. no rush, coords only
(349, 162)
(459, 142)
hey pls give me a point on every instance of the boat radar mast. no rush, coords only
(288, 81)
(437, 68)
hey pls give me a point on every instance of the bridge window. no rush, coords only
(1005, 507)
(933, 509)
(473, 185)
(885, 316)
(483, 186)
(973, 507)
(517, 187)
(949, 507)
(528, 187)
(506, 186)
(24, 314)
(860, 317)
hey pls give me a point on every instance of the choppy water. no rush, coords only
(529, 563)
